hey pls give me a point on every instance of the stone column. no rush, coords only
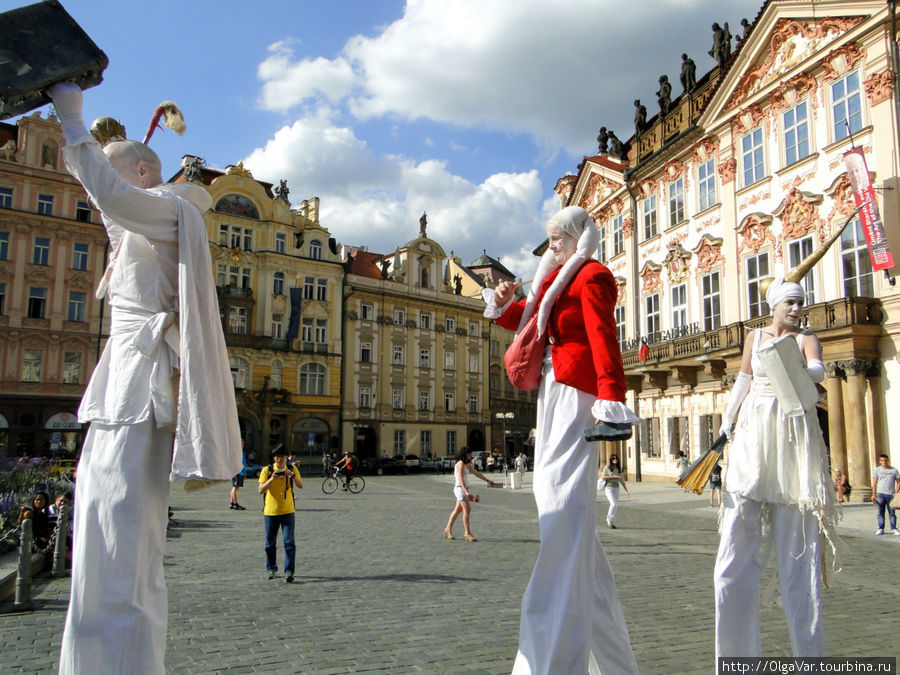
(858, 469)
(834, 385)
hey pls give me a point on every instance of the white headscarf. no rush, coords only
(780, 290)
(576, 222)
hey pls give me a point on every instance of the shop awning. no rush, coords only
(63, 421)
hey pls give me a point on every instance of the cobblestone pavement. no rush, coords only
(378, 589)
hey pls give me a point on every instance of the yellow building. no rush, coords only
(741, 178)
(278, 276)
(52, 253)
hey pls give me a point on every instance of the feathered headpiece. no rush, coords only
(107, 129)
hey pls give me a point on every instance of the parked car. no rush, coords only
(398, 464)
(63, 467)
(251, 470)
(447, 463)
(429, 463)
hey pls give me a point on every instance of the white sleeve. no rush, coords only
(816, 370)
(493, 311)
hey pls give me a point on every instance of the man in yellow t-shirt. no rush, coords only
(277, 484)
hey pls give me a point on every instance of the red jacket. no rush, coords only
(582, 332)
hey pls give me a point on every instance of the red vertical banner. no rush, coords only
(869, 216)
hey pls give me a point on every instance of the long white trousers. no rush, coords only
(572, 621)
(795, 538)
(118, 606)
(612, 495)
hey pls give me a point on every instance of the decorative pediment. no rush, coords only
(651, 276)
(747, 119)
(791, 42)
(565, 186)
(676, 262)
(38, 274)
(709, 253)
(704, 149)
(4, 271)
(755, 230)
(279, 304)
(647, 187)
(842, 194)
(788, 93)
(672, 169)
(799, 213)
(621, 283)
(79, 280)
(840, 61)
(879, 87)
(598, 188)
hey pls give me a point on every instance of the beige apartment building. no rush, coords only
(739, 178)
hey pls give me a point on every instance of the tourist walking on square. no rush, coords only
(521, 467)
(160, 401)
(885, 485)
(572, 621)
(277, 483)
(611, 478)
(777, 477)
(464, 498)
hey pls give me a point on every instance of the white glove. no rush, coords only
(68, 101)
(738, 394)
(816, 370)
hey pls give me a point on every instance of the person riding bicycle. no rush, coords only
(345, 467)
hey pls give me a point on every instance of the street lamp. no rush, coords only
(503, 417)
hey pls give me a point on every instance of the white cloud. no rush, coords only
(288, 83)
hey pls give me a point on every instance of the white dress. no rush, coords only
(572, 621)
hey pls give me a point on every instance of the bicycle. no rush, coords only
(354, 484)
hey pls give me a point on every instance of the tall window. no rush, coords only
(79, 256)
(449, 401)
(367, 311)
(706, 184)
(399, 355)
(424, 399)
(474, 363)
(312, 379)
(425, 321)
(248, 239)
(495, 349)
(277, 326)
(322, 289)
(648, 207)
(4, 245)
(365, 397)
(679, 305)
(618, 234)
(399, 317)
(424, 358)
(37, 302)
(315, 249)
(449, 324)
(280, 241)
(451, 442)
(752, 156)
(601, 244)
(275, 374)
(757, 270)
(365, 352)
(306, 330)
(676, 201)
(309, 288)
(237, 320)
(41, 254)
(321, 331)
(797, 251)
(712, 304)
(474, 329)
(71, 373)
(651, 303)
(6, 198)
(620, 324)
(83, 212)
(2, 297)
(396, 399)
(425, 439)
(223, 235)
(32, 365)
(240, 372)
(449, 360)
(857, 266)
(76, 306)
(45, 205)
(796, 133)
(399, 442)
(239, 277)
(650, 440)
(846, 105)
(473, 403)
(278, 283)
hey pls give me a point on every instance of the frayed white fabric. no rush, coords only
(572, 621)
(576, 222)
(118, 606)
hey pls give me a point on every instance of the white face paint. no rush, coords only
(563, 245)
(787, 311)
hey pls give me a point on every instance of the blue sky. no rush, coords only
(467, 109)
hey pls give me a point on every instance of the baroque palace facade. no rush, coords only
(313, 336)
(739, 178)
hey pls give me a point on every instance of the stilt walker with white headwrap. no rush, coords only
(572, 621)
(777, 487)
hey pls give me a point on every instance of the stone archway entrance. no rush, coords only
(310, 437)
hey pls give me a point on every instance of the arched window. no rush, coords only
(240, 372)
(315, 249)
(275, 375)
(312, 379)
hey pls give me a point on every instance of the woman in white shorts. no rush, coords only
(464, 498)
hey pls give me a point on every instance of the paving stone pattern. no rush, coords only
(378, 589)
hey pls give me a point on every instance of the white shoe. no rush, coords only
(879, 531)
(896, 532)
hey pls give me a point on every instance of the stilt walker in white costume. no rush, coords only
(777, 486)
(160, 401)
(571, 620)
